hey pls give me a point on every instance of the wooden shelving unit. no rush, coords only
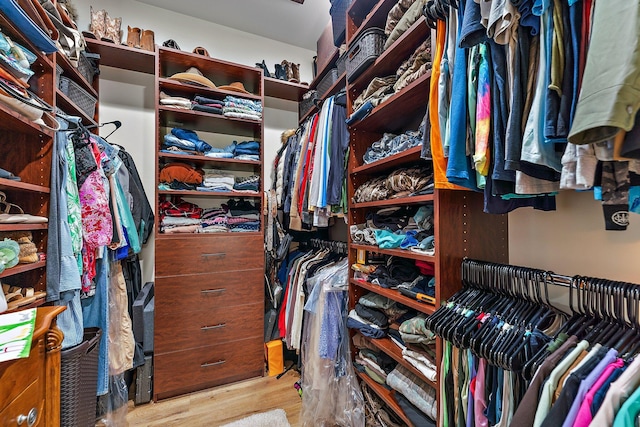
(401, 201)
(396, 296)
(123, 57)
(281, 89)
(22, 268)
(406, 157)
(196, 193)
(387, 346)
(175, 117)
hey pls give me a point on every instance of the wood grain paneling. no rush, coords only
(31, 399)
(14, 376)
(184, 371)
(219, 253)
(206, 324)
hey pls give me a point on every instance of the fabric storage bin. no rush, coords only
(341, 64)
(78, 95)
(327, 81)
(366, 48)
(88, 66)
(307, 103)
(79, 381)
(338, 14)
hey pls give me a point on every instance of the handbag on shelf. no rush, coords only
(23, 101)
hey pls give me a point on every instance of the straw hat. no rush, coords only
(193, 75)
(235, 87)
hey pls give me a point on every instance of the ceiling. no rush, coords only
(282, 20)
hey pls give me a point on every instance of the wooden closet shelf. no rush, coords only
(215, 123)
(402, 253)
(395, 295)
(8, 184)
(23, 227)
(22, 268)
(68, 106)
(376, 18)
(359, 8)
(391, 162)
(388, 63)
(164, 236)
(72, 72)
(282, 89)
(235, 164)
(394, 202)
(123, 57)
(37, 303)
(386, 395)
(396, 112)
(217, 93)
(15, 122)
(196, 193)
(390, 348)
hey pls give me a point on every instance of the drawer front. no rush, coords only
(208, 291)
(27, 408)
(177, 330)
(185, 371)
(208, 254)
(15, 375)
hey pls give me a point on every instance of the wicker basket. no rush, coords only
(338, 13)
(79, 381)
(327, 81)
(88, 66)
(341, 64)
(307, 103)
(78, 95)
(366, 48)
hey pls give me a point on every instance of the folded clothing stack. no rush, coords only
(184, 141)
(376, 364)
(207, 105)
(248, 184)
(175, 101)
(179, 217)
(243, 216)
(391, 144)
(241, 108)
(403, 182)
(217, 180)
(180, 176)
(247, 150)
(215, 220)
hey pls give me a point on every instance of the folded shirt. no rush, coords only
(206, 109)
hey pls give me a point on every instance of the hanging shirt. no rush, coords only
(618, 393)
(584, 416)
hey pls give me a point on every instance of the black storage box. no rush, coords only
(364, 51)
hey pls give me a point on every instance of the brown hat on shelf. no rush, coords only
(200, 51)
(193, 75)
(235, 87)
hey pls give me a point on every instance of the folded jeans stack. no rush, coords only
(186, 141)
(249, 184)
(207, 105)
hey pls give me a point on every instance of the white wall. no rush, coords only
(129, 96)
(573, 240)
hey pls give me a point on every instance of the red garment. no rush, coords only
(585, 35)
(426, 268)
(308, 166)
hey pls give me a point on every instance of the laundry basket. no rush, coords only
(79, 381)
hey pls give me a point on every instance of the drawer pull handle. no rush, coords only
(206, 328)
(207, 365)
(31, 418)
(213, 291)
(216, 255)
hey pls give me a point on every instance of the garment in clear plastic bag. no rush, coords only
(331, 395)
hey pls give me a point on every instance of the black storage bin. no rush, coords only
(83, 99)
(327, 81)
(338, 13)
(307, 103)
(79, 381)
(364, 51)
(88, 66)
(341, 64)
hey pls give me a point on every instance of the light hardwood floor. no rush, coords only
(223, 404)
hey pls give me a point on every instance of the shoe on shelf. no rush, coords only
(280, 73)
(265, 69)
(295, 73)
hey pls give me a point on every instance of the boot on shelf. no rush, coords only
(265, 70)
(133, 37)
(288, 73)
(295, 73)
(147, 41)
(280, 73)
(112, 29)
(98, 23)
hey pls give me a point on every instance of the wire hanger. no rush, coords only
(116, 123)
